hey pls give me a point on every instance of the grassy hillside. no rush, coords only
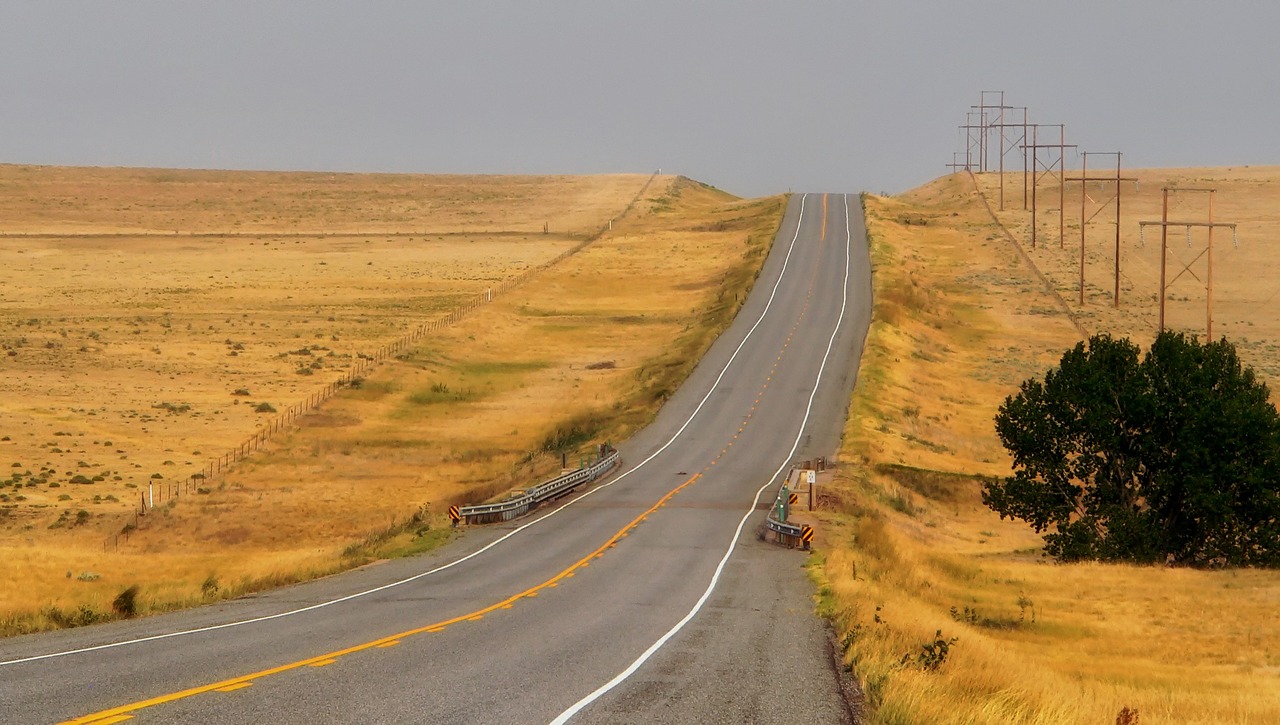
(1246, 264)
(948, 614)
(584, 351)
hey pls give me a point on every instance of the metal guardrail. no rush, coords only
(782, 528)
(773, 524)
(507, 510)
(789, 534)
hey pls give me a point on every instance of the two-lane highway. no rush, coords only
(645, 599)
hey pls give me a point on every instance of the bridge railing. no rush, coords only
(513, 507)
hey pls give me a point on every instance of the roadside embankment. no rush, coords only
(946, 614)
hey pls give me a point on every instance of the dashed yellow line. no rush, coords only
(125, 712)
(824, 217)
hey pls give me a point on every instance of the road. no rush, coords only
(647, 598)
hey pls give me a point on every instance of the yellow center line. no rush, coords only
(824, 217)
(236, 683)
(124, 712)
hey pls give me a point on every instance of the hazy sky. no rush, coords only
(754, 97)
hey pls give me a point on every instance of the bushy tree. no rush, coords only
(1175, 454)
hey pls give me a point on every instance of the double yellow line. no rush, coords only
(125, 712)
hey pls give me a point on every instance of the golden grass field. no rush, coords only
(908, 549)
(585, 349)
(97, 201)
(1246, 266)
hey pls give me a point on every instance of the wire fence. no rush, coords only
(163, 492)
(1026, 258)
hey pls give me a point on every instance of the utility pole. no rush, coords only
(973, 138)
(1049, 169)
(1084, 180)
(1210, 224)
(986, 127)
(1026, 153)
(956, 164)
(982, 124)
(1006, 145)
(1011, 146)
(975, 133)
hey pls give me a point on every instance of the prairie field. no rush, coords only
(42, 200)
(272, 287)
(1246, 262)
(950, 615)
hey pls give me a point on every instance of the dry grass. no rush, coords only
(959, 321)
(71, 200)
(1246, 277)
(459, 418)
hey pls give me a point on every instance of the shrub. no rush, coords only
(81, 617)
(932, 655)
(126, 603)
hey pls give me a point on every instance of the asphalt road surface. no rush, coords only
(646, 598)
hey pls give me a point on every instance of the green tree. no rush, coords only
(1176, 454)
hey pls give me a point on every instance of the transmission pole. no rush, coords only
(956, 164)
(1084, 180)
(1164, 225)
(1006, 146)
(1011, 145)
(987, 126)
(1060, 165)
(971, 140)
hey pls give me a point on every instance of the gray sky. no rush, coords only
(753, 97)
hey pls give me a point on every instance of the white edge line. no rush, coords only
(618, 679)
(227, 625)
